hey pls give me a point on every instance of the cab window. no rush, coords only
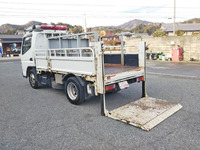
(26, 44)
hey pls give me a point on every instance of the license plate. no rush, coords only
(123, 85)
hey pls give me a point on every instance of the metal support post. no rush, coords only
(142, 63)
(144, 89)
(122, 49)
(174, 22)
(100, 77)
(78, 41)
(59, 39)
(103, 109)
(102, 96)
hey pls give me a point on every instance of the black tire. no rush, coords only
(74, 91)
(32, 79)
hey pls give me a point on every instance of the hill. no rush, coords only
(6, 27)
(11, 28)
(132, 24)
(194, 20)
(126, 26)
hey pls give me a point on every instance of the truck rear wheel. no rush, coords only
(74, 91)
(32, 79)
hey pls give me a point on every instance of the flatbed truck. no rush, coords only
(84, 67)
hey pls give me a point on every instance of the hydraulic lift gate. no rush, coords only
(144, 113)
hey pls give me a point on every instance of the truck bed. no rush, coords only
(118, 68)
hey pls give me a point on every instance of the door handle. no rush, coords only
(31, 59)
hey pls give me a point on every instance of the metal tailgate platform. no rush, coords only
(145, 113)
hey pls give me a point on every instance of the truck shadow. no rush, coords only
(115, 100)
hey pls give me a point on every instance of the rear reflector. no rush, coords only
(109, 77)
(110, 87)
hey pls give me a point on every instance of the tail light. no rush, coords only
(140, 79)
(110, 87)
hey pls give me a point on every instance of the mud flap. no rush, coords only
(145, 113)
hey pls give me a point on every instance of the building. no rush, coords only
(140, 35)
(115, 39)
(111, 39)
(189, 29)
(20, 32)
(128, 35)
(10, 45)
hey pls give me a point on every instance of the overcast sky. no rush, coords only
(98, 13)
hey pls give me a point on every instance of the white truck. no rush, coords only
(81, 65)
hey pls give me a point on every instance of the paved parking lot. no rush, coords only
(180, 69)
(44, 119)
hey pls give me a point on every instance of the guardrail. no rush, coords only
(81, 52)
(72, 52)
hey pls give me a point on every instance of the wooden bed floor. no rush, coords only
(117, 68)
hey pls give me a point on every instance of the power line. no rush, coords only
(19, 3)
(26, 10)
(80, 16)
(96, 12)
(51, 12)
(99, 5)
(42, 9)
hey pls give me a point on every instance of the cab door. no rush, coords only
(27, 54)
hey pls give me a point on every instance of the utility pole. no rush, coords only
(85, 24)
(174, 24)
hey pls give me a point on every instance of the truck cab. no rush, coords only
(36, 38)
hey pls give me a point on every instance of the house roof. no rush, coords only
(184, 27)
(143, 35)
(124, 33)
(109, 34)
(116, 41)
(6, 36)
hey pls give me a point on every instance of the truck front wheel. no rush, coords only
(74, 91)
(32, 79)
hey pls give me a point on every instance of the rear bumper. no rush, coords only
(130, 76)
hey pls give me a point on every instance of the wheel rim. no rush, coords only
(72, 91)
(32, 79)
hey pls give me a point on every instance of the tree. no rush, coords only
(179, 32)
(196, 33)
(77, 29)
(113, 43)
(11, 31)
(159, 33)
(146, 28)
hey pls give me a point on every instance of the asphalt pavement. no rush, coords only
(44, 119)
(178, 69)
